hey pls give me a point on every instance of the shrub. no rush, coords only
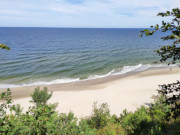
(159, 110)
(137, 122)
(63, 124)
(43, 119)
(112, 129)
(18, 109)
(100, 116)
(171, 93)
(40, 97)
(85, 128)
(40, 120)
(6, 103)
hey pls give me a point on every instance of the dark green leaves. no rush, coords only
(44, 120)
(171, 52)
(172, 96)
(40, 97)
(6, 102)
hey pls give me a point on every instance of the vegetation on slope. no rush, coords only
(159, 118)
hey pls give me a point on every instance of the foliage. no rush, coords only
(40, 120)
(112, 129)
(167, 107)
(63, 124)
(138, 121)
(40, 97)
(85, 128)
(6, 102)
(18, 110)
(171, 93)
(44, 119)
(3, 46)
(151, 121)
(171, 52)
(99, 117)
(159, 110)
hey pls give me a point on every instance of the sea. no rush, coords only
(45, 56)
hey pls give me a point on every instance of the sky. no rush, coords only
(83, 13)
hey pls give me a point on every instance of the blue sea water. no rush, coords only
(59, 55)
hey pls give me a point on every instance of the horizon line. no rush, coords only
(76, 27)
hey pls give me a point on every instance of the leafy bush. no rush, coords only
(6, 103)
(40, 119)
(43, 119)
(18, 109)
(85, 128)
(100, 116)
(171, 93)
(63, 124)
(40, 97)
(159, 110)
(112, 129)
(138, 121)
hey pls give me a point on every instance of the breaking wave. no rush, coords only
(120, 71)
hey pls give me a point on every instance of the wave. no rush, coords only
(57, 81)
(99, 76)
(120, 71)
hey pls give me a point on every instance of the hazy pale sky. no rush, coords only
(83, 13)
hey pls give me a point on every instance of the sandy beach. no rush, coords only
(120, 92)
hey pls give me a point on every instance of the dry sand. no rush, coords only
(120, 92)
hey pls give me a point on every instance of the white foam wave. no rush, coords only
(127, 69)
(9, 86)
(140, 67)
(124, 70)
(99, 76)
(57, 81)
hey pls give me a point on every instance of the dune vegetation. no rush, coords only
(161, 117)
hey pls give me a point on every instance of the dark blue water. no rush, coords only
(57, 55)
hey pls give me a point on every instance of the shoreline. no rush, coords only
(127, 92)
(93, 84)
